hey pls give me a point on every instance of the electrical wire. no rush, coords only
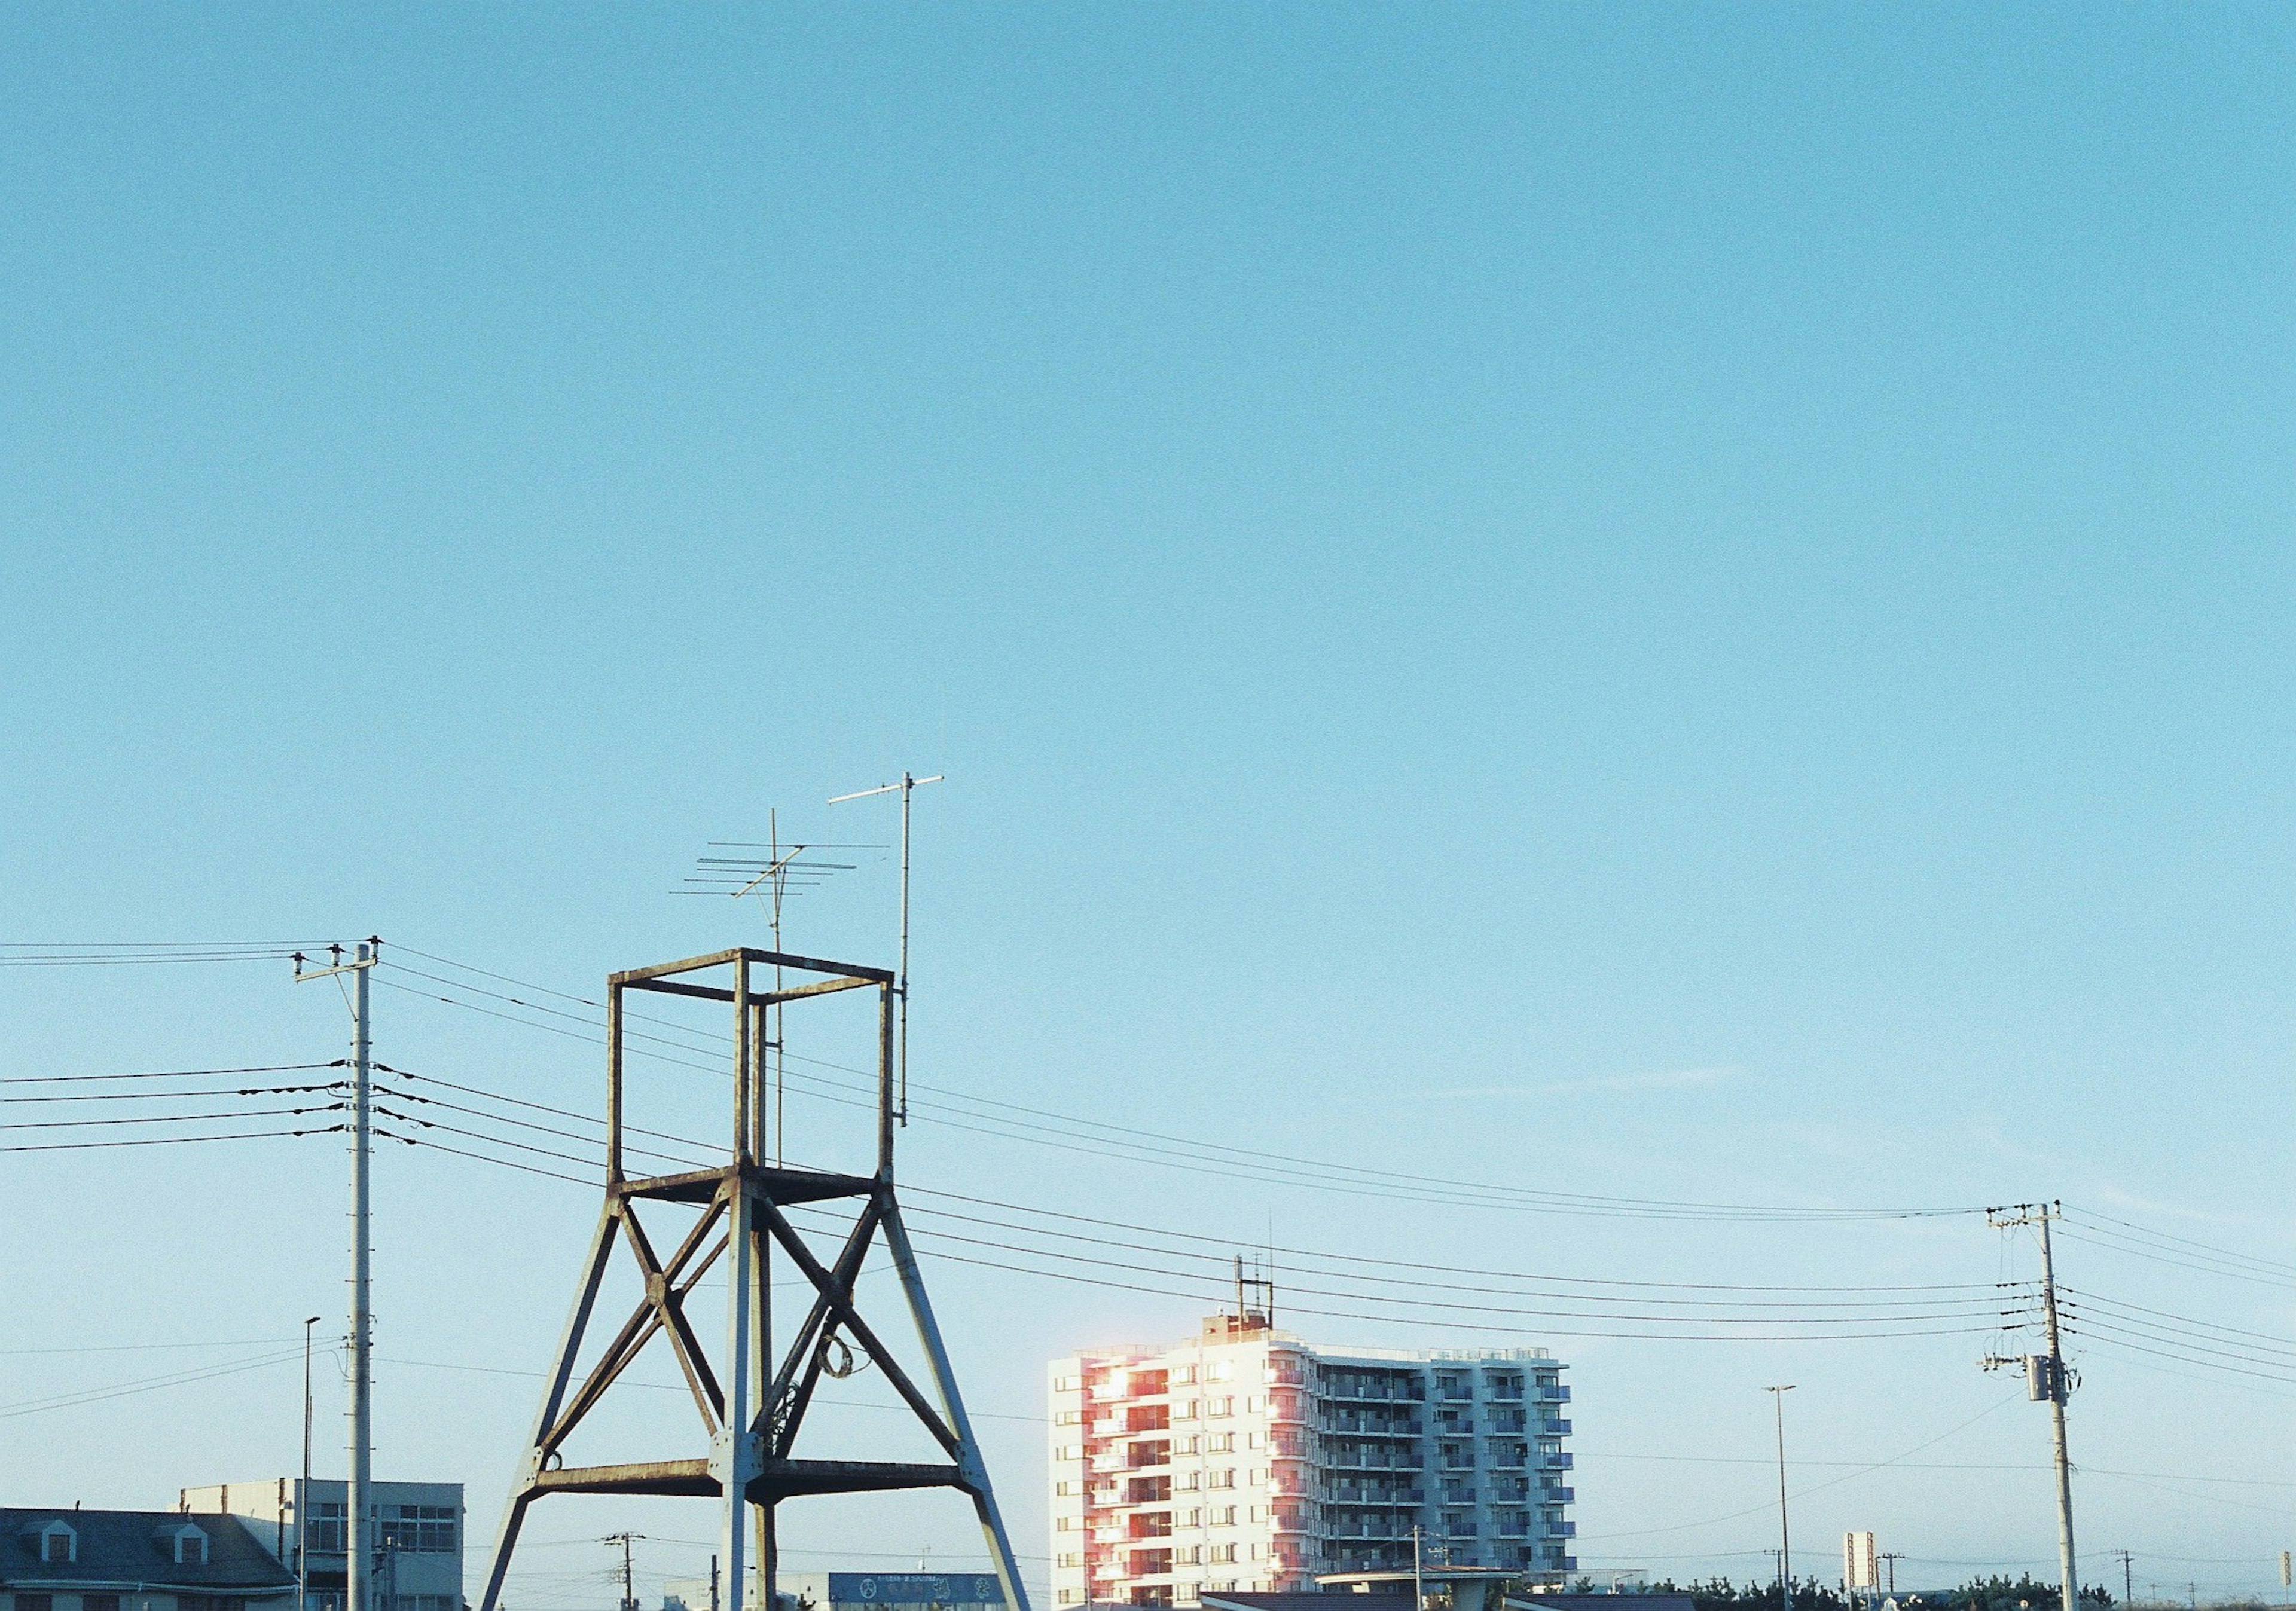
(172, 1140)
(166, 1074)
(1126, 1141)
(94, 1395)
(1978, 1300)
(1210, 1290)
(178, 1095)
(177, 1118)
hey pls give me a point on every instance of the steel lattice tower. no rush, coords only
(752, 1416)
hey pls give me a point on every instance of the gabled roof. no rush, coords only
(126, 1548)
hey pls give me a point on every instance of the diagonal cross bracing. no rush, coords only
(751, 1427)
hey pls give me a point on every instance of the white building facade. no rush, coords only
(417, 1528)
(1248, 1459)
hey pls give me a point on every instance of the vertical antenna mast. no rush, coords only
(908, 786)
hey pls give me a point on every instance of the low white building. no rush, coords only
(417, 1533)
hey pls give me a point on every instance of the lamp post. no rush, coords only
(1785, 1557)
(303, 1494)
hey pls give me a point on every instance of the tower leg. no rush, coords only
(733, 1459)
(553, 1395)
(970, 1464)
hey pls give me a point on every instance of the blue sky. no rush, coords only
(1685, 602)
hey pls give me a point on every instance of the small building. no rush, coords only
(136, 1560)
(417, 1529)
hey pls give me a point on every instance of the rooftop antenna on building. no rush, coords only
(752, 1406)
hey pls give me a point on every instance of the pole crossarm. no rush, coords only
(751, 1421)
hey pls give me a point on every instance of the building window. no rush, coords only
(1067, 1384)
(327, 1520)
(421, 1529)
(1221, 1479)
(1067, 1597)
(1068, 1418)
(1182, 1374)
(191, 1546)
(58, 1543)
(1067, 1451)
(1220, 1406)
(35, 1602)
(1223, 1555)
(99, 1602)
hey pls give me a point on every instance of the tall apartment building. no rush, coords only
(1248, 1459)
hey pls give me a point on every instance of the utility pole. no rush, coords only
(1418, 1579)
(1785, 1547)
(303, 1494)
(2048, 1378)
(713, 1583)
(907, 786)
(1890, 1560)
(2128, 1578)
(359, 1524)
(629, 1595)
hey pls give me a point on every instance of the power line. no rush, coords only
(165, 1073)
(176, 1118)
(171, 1141)
(177, 1096)
(1314, 1173)
(1978, 1299)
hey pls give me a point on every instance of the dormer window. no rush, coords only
(186, 1545)
(59, 1543)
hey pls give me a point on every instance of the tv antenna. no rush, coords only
(784, 871)
(908, 786)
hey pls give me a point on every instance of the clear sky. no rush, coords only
(1689, 602)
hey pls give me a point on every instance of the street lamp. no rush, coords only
(303, 1494)
(1785, 1556)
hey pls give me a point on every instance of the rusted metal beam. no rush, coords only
(663, 970)
(784, 959)
(783, 1479)
(682, 1476)
(707, 1397)
(691, 1186)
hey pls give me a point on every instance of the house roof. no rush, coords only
(1326, 1600)
(129, 1548)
